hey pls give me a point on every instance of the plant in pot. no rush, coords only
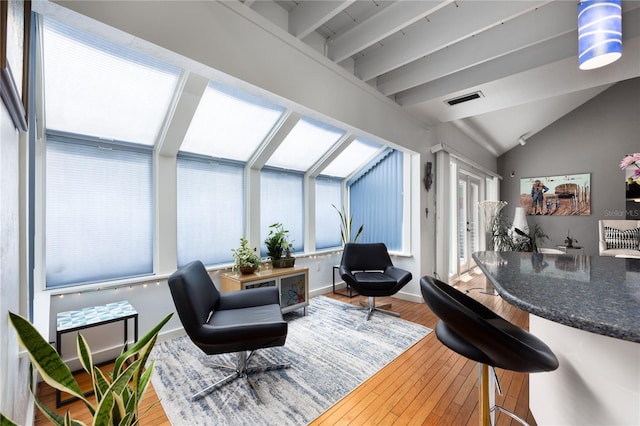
(279, 247)
(246, 260)
(503, 238)
(118, 394)
(346, 222)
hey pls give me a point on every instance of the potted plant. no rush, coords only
(345, 227)
(246, 260)
(118, 394)
(279, 247)
(503, 239)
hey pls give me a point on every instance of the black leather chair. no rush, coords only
(474, 331)
(218, 323)
(367, 268)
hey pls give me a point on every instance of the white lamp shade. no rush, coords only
(599, 33)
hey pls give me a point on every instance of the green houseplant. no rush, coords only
(246, 260)
(346, 224)
(279, 247)
(504, 240)
(117, 394)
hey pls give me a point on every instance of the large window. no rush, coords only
(281, 201)
(98, 88)
(304, 145)
(99, 222)
(210, 209)
(104, 107)
(376, 200)
(230, 123)
(328, 194)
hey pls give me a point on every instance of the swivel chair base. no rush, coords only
(371, 307)
(488, 383)
(240, 370)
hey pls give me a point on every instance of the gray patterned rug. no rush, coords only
(330, 357)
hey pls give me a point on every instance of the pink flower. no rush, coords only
(630, 160)
(636, 172)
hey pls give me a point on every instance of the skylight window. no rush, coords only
(97, 88)
(304, 145)
(356, 155)
(229, 124)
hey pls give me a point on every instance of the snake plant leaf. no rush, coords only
(139, 344)
(45, 358)
(6, 421)
(84, 354)
(104, 412)
(100, 383)
(144, 356)
(103, 415)
(144, 380)
(118, 413)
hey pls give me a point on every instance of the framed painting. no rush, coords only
(15, 19)
(562, 195)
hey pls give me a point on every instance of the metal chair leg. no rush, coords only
(240, 370)
(489, 383)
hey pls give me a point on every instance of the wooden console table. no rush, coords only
(292, 284)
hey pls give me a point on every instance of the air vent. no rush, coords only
(464, 98)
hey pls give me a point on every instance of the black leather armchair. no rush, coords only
(218, 323)
(368, 269)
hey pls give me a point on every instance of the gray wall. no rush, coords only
(591, 139)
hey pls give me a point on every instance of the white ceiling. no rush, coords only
(521, 55)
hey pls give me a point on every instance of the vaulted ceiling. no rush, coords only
(520, 57)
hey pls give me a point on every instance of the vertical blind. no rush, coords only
(210, 209)
(281, 201)
(99, 221)
(375, 197)
(328, 193)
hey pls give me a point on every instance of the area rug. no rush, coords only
(331, 349)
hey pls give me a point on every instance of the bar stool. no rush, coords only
(474, 331)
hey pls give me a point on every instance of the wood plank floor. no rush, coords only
(427, 385)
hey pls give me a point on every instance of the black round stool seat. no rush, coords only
(474, 331)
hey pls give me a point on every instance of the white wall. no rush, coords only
(13, 386)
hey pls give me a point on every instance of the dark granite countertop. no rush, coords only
(593, 293)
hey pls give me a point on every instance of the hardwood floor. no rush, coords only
(427, 385)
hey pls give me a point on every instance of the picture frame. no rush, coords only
(15, 20)
(561, 195)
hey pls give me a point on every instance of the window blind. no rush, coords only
(281, 201)
(210, 203)
(99, 217)
(328, 192)
(375, 197)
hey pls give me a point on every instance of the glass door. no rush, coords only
(468, 236)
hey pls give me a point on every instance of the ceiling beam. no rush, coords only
(308, 16)
(331, 154)
(273, 140)
(392, 19)
(184, 106)
(558, 17)
(548, 52)
(438, 33)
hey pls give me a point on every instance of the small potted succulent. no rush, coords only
(246, 260)
(279, 247)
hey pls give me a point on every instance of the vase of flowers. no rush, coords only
(633, 176)
(631, 161)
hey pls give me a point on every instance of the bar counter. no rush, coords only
(587, 309)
